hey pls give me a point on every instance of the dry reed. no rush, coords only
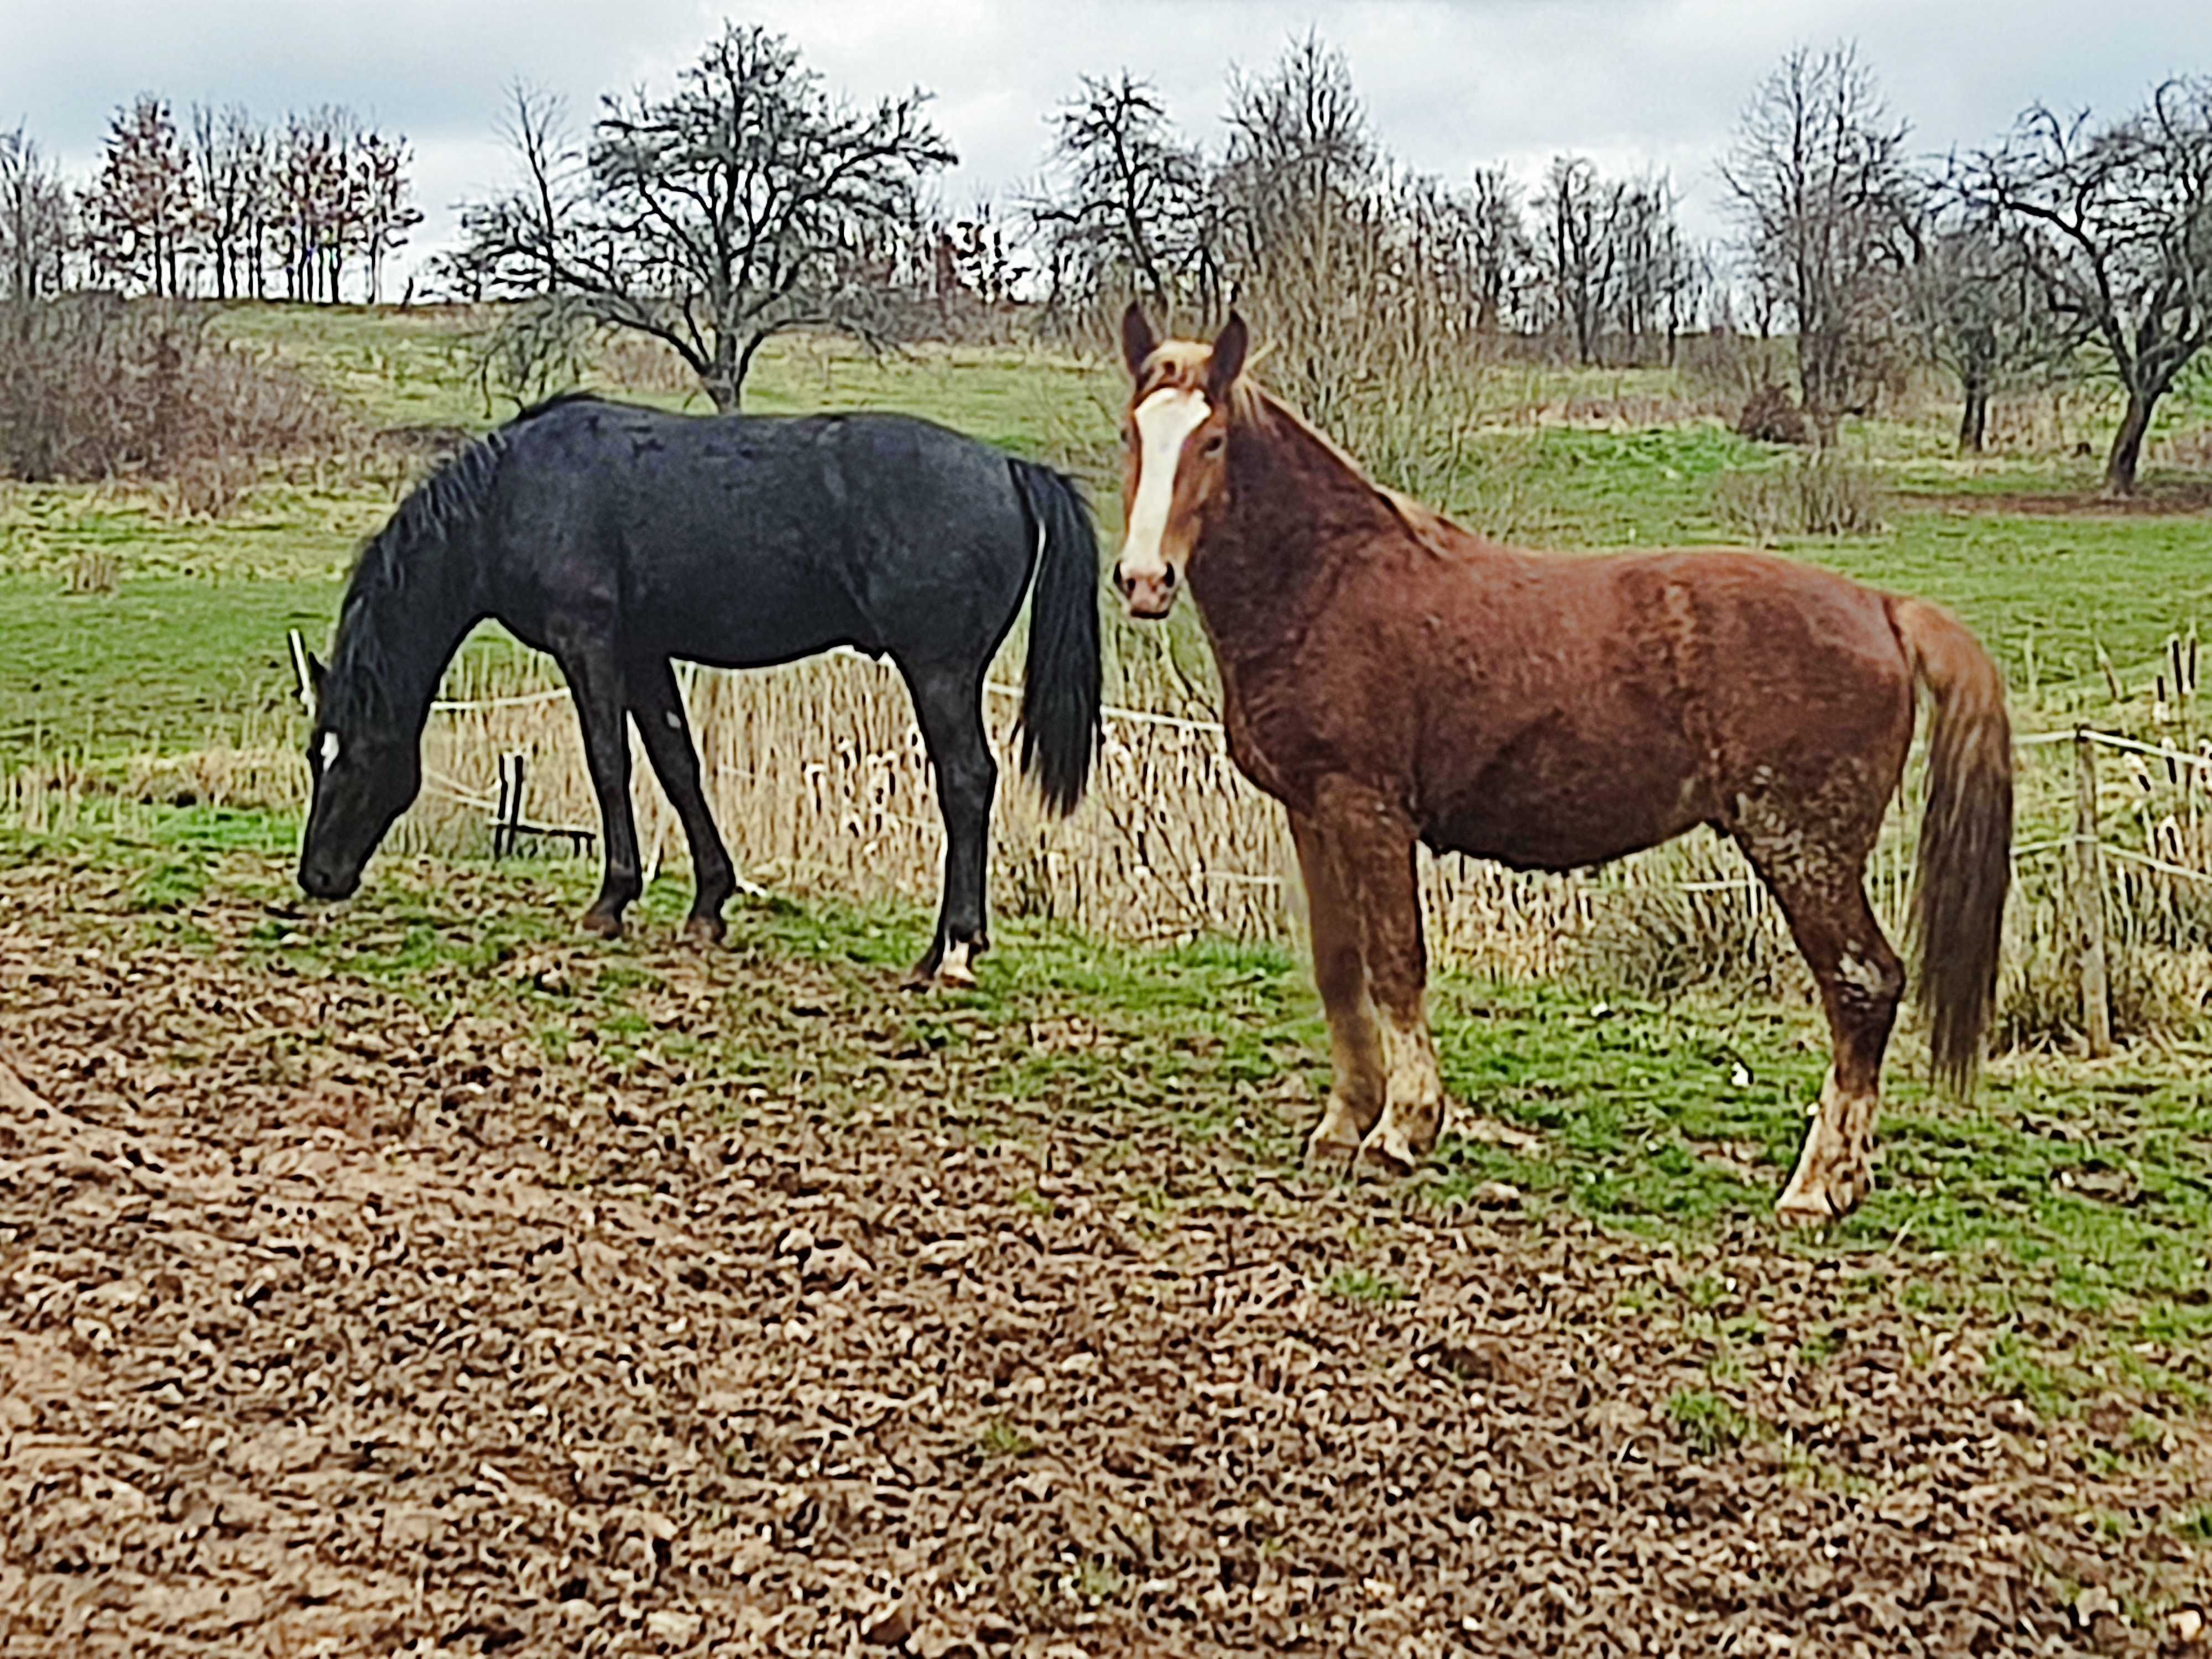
(817, 777)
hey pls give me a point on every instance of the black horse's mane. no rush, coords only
(429, 525)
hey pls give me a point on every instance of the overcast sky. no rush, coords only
(1449, 84)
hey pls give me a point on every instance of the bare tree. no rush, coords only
(228, 151)
(972, 256)
(1578, 250)
(2114, 225)
(34, 221)
(388, 214)
(1826, 204)
(1131, 196)
(745, 203)
(140, 215)
(1656, 276)
(1315, 226)
(1299, 143)
(1979, 313)
(1498, 252)
(312, 181)
(517, 238)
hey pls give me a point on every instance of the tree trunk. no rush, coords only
(724, 375)
(2127, 444)
(1974, 419)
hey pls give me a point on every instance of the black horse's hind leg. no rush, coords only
(657, 709)
(595, 682)
(948, 702)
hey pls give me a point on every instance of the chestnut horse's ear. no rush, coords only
(1138, 342)
(1228, 357)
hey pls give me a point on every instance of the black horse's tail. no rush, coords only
(1061, 691)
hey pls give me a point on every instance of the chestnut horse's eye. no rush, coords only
(1214, 444)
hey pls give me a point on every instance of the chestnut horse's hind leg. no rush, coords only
(1373, 849)
(1824, 898)
(658, 707)
(1356, 1092)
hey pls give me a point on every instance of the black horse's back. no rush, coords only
(618, 538)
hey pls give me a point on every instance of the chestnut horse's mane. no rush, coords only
(1253, 406)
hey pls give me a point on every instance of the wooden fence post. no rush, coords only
(506, 816)
(2089, 899)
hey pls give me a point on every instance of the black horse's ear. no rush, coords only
(316, 673)
(1228, 357)
(1138, 341)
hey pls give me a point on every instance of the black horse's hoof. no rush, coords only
(705, 931)
(603, 924)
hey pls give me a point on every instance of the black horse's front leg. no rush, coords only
(658, 707)
(595, 683)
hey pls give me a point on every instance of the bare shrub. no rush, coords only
(1817, 495)
(1768, 416)
(1702, 922)
(1836, 496)
(95, 570)
(93, 387)
(2154, 992)
(1726, 365)
(638, 362)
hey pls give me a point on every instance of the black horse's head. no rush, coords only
(367, 773)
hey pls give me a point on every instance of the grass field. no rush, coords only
(162, 663)
(2040, 1259)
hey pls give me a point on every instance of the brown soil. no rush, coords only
(326, 1329)
(2159, 499)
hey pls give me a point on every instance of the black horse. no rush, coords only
(617, 538)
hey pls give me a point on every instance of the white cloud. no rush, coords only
(1450, 84)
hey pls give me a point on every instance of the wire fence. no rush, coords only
(817, 776)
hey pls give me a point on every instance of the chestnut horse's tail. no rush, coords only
(1965, 836)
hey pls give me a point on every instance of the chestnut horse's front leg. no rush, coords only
(1373, 843)
(1357, 1092)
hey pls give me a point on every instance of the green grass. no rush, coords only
(1357, 1285)
(1707, 1423)
(399, 368)
(165, 664)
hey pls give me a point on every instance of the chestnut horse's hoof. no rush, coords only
(706, 932)
(1334, 1156)
(1334, 1143)
(1822, 1200)
(603, 924)
(1389, 1155)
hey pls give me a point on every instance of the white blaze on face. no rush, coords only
(1164, 423)
(330, 749)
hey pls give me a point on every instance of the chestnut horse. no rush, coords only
(1391, 678)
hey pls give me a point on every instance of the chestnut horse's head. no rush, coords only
(1175, 443)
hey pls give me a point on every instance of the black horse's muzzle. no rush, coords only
(324, 881)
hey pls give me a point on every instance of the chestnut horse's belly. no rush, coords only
(1567, 809)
